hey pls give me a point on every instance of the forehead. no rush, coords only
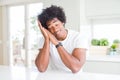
(51, 21)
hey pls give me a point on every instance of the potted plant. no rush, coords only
(104, 42)
(99, 46)
(113, 49)
(117, 42)
(95, 42)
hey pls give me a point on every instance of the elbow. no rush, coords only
(40, 67)
(75, 70)
(41, 70)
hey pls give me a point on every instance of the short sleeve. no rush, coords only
(81, 42)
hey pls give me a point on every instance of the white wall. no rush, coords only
(72, 9)
(1, 49)
(103, 8)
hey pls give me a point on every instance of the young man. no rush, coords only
(66, 49)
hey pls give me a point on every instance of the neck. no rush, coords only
(65, 32)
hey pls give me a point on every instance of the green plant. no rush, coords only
(100, 42)
(95, 42)
(35, 29)
(34, 24)
(116, 41)
(104, 42)
(113, 47)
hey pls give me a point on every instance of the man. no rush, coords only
(66, 49)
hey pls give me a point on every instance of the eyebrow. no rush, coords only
(54, 20)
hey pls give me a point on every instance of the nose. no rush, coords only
(54, 28)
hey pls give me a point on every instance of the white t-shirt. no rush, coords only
(72, 41)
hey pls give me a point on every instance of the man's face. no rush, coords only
(55, 26)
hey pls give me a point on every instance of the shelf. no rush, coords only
(108, 58)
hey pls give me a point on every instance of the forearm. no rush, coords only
(73, 63)
(42, 60)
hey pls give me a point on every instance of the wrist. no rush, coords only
(59, 44)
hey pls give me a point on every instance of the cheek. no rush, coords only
(51, 30)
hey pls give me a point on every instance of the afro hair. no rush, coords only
(51, 12)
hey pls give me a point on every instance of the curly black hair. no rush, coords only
(51, 12)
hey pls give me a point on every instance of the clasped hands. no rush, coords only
(47, 34)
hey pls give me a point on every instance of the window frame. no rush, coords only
(6, 32)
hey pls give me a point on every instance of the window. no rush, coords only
(106, 28)
(24, 33)
(103, 28)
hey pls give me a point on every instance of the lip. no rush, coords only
(57, 32)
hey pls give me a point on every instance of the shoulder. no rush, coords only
(74, 34)
(79, 40)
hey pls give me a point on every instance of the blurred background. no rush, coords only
(98, 20)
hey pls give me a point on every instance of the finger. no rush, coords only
(39, 24)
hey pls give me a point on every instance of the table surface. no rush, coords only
(22, 73)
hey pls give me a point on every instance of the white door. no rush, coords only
(24, 33)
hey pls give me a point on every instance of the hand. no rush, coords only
(52, 38)
(43, 30)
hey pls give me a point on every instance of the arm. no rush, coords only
(73, 61)
(42, 58)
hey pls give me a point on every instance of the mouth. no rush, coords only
(57, 32)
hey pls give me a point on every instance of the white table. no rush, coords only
(21, 73)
